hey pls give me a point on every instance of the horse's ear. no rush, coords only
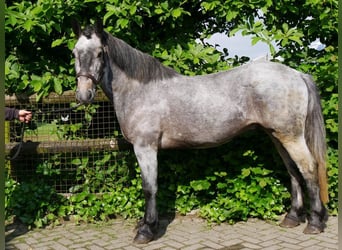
(99, 27)
(76, 28)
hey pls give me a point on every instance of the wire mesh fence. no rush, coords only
(60, 144)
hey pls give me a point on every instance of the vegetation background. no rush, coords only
(242, 179)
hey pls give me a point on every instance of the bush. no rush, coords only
(33, 203)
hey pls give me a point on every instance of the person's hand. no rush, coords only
(24, 115)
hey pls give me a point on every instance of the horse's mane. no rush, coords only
(136, 64)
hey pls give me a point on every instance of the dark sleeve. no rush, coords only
(11, 114)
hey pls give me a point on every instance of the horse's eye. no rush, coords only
(100, 54)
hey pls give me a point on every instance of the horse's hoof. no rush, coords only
(311, 229)
(142, 238)
(289, 223)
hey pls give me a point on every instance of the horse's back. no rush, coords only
(259, 90)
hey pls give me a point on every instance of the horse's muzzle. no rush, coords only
(86, 89)
(85, 96)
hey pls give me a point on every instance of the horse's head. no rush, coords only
(89, 60)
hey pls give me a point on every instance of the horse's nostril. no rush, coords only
(85, 96)
(90, 94)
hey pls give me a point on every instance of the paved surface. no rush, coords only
(188, 233)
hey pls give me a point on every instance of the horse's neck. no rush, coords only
(117, 86)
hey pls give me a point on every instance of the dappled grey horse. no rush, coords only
(158, 108)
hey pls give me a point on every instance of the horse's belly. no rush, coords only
(204, 138)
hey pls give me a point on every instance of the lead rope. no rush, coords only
(22, 130)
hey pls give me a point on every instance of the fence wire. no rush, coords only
(62, 146)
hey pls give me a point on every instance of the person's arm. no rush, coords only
(20, 114)
(11, 114)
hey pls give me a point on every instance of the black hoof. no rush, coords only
(142, 238)
(290, 222)
(312, 229)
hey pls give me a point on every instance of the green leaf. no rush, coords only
(57, 42)
(262, 183)
(255, 40)
(122, 23)
(28, 25)
(284, 42)
(108, 15)
(234, 31)
(37, 10)
(158, 11)
(58, 86)
(296, 39)
(12, 20)
(133, 9)
(231, 15)
(285, 27)
(76, 161)
(71, 44)
(36, 84)
(245, 172)
(176, 12)
(200, 185)
(221, 185)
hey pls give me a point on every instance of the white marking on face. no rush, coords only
(84, 44)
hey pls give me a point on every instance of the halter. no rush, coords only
(91, 77)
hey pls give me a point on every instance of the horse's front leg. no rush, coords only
(147, 159)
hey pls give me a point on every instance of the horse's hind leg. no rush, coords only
(147, 158)
(301, 155)
(296, 214)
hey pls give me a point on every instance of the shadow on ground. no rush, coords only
(14, 230)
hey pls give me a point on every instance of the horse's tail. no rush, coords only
(315, 136)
